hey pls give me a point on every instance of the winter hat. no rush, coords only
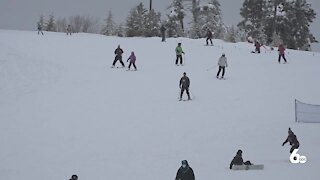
(184, 162)
(223, 54)
(74, 177)
(184, 73)
(239, 152)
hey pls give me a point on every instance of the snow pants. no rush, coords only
(208, 41)
(177, 59)
(184, 89)
(116, 59)
(284, 58)
(134, 65)
(223, 70)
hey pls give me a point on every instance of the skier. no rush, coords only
(237, 160)
(74, 177)
(69, 29)
(118, 52)
(281, 50)
(132, 59)
(184, 85)
(222, 63)
(185, 172)
(292, 139)
(179, 53)
(163, 33)
(257, 45)
(209, 37)
(40, 29)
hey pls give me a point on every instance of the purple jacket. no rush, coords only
(132, 58)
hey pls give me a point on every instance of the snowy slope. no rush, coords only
(64, 111)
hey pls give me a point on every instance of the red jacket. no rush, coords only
(281, 49)
(257, 44)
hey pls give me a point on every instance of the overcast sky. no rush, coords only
(23, 14)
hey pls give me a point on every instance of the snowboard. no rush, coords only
(248, 167)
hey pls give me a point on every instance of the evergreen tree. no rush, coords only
(196, 21)
(151, 24)
(50, 25)
(120, 30)
(177, 12)
(233, 35)
(212, 19)
(299, 15)
(41, 21)
(173, 25)
(135, 21)
(110, 27)
(254, 13)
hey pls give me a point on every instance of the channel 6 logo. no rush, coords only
(295, 158)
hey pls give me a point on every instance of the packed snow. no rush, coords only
(64, 111)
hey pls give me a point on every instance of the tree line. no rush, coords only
(268, 21)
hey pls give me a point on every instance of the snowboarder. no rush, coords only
(222, 63)
(74, 177)
(132, 59)
(237, 160)
(40, 29)
(292, 139)
(281, 50)
(257, 45)
(69, 30)
(209, 37)
(118, 52)
(179, 53)
(163, 33)
(184, 85)
(185, 172)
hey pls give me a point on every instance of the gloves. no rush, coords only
(282, 144)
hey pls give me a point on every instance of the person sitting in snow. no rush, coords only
(132, 59)
(185, 172)
(237, 160)
(293, 141)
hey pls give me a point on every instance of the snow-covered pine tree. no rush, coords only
(254, 14)
(196, 21)
(233, 35)
(151, 24)
(41, 21)
(110, 27)
(120, 30)
(177, 13)
(135, 21)
(50, 25)
(299, 15)
(173, 25)
(211, 15)
(61, 24)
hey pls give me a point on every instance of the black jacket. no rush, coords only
(118, 51)
(237, 160)
(184, 82)
(185, 173)
(292, 139)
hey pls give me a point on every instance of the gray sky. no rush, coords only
(23, 14)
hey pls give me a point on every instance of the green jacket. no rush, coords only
(179, 50)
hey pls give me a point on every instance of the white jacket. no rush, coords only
(222, 61)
